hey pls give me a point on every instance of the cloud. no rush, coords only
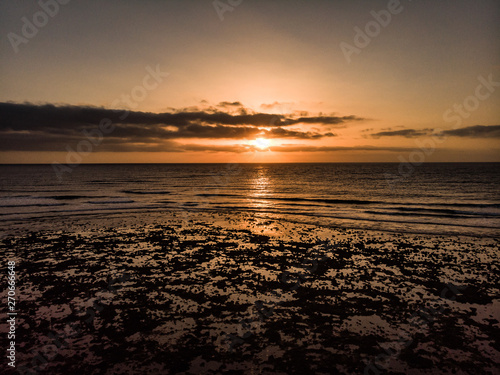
(240, 148)
(230, 104)
(30, 127)
(476, 131)
(325, 120)
(303, 148)
(30, 116)
(407, 133)
(275, 106)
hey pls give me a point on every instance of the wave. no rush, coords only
(190, 204)
(436, 214)
(32, 205)
(219, 195)
(103, 182)
(67, 197)
(146, 192)
(378, 202)
(424, 211)
(471, 205)
(323, 200)
(112, 201)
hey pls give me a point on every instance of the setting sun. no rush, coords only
(261, 143)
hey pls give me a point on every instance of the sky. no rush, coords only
(249, 81)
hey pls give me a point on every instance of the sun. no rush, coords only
(262, 143)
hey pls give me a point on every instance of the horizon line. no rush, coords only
(314, 162)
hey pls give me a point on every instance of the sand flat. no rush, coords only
(236, 292)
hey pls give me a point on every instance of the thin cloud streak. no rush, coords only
(475, 131)
(407, 133)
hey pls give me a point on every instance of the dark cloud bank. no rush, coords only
(30, 127)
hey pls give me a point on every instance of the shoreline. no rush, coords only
(161, 214)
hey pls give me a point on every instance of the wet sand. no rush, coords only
(243, 294)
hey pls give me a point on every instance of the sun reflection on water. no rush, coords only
(261, 188)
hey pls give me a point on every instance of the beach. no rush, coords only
(249, 293)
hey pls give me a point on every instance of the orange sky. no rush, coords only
(430, 74)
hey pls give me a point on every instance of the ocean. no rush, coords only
(438, 198)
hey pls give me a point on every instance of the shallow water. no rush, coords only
(458, 198)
